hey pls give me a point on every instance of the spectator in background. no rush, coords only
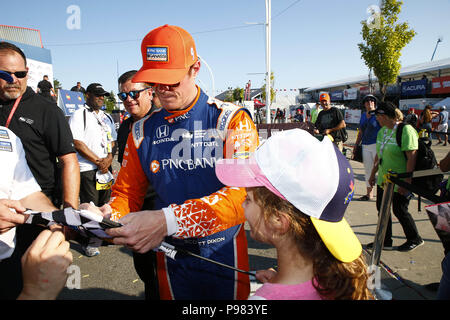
(94, 137)
(298, 117)
(411, 118)
(137, 100)
(398, 115)
(279, 116)
(78, 88)
(315, 112)
(44, 88)
(443, 126)
(390, 156)
(331, 121)
(425, 119)
(367, 136)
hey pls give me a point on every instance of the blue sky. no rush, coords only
(314, 41)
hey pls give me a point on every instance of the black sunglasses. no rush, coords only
(18, 74)
(133, 94)
(161, 84)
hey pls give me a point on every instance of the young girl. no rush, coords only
(297, 191)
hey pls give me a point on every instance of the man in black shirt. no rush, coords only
(44, 88)
(78, 88)
(41, 126)
(46, 137)
(331, 121)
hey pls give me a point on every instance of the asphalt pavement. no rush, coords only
(404, 275)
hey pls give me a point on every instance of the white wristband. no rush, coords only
(171, 221)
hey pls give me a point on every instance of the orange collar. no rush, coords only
(177, 113)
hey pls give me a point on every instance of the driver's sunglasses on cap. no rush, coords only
(18, 74)
(133, 94)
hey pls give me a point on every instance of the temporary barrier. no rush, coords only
(392, 179)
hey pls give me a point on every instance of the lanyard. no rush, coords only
(11, 113)
(106, 143)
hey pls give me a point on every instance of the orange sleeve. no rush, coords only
(222, 209)
(128, 192)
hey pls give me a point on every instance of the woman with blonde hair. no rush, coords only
(298, 189)
(426, 118)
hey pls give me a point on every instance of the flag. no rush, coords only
(87, 223)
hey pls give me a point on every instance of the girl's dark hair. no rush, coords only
(333, 279)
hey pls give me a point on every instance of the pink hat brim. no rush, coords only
(243, 173)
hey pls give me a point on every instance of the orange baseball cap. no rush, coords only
(167, 54)
(324, 96)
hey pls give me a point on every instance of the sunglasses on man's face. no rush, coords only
(133, 94)
(170, 86)
(18, 74)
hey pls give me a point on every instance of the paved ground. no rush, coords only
(111, 275)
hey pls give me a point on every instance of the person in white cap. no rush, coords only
(443, 125)
(298, 189)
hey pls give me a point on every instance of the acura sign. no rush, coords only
(414, 88)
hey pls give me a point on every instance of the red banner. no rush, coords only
(441, 85)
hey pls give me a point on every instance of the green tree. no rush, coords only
(229, 96)
(238, 94)
(110, 102)
(57, 84)
(272, 90)
(384, 40)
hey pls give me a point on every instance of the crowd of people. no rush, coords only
(192, 172)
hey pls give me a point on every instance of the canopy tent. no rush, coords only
(258, 104)
(445, 102)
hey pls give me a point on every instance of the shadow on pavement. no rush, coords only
(96, 294)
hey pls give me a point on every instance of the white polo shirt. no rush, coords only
(96, 132)
(16, 181)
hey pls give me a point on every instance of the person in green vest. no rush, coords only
(391, 157)
(315, 112)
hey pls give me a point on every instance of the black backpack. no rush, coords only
(425, 160)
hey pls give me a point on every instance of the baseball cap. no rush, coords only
(386, 108)
(97, 89)
(312, 175)
(6, 76)
(371, 97)
(167, 54)
(324, 96)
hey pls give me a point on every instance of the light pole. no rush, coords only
(268, 46)
(437, 43)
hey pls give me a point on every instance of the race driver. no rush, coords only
(175, 150)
